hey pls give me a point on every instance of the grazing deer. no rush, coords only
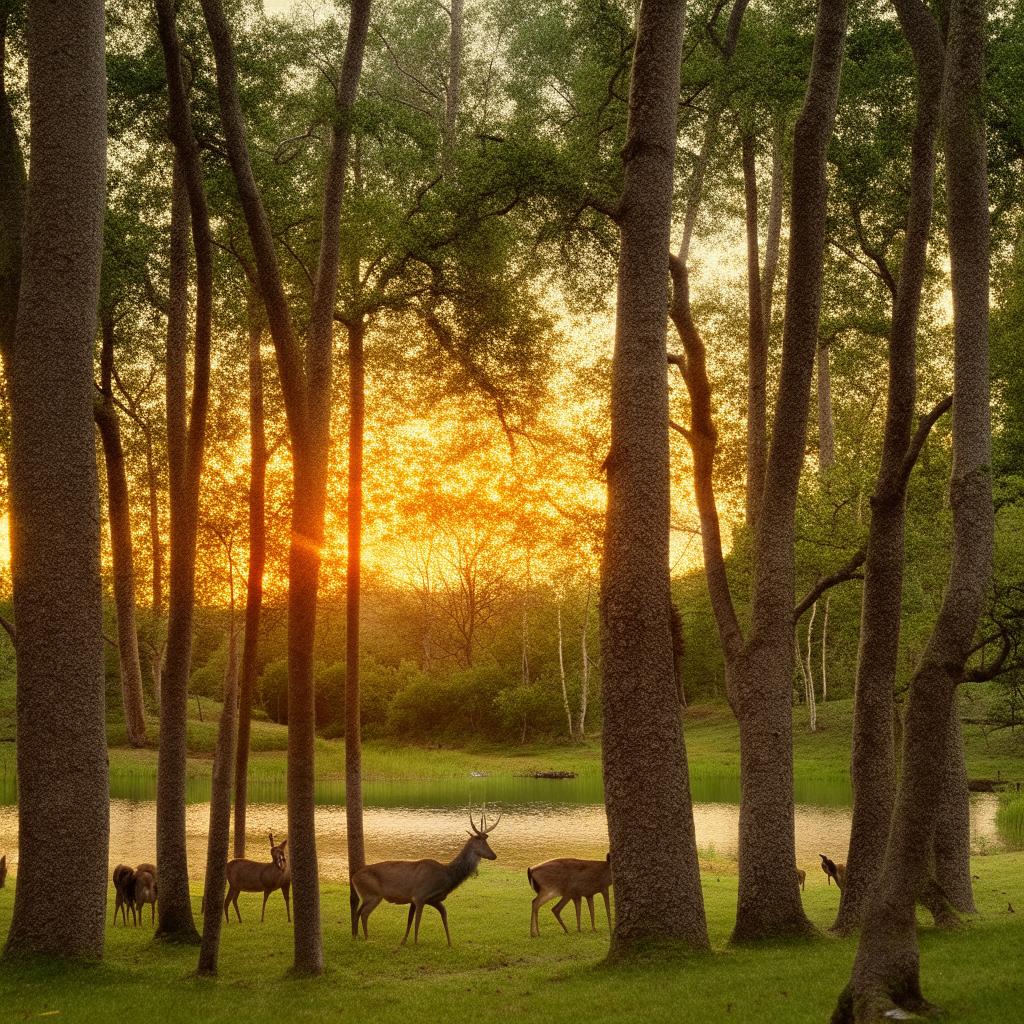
(833, 870)
(145, 890)
(3, 870)
(254, 876)
(801, 876)
(420, 883)
(570, 879)
(124, 894)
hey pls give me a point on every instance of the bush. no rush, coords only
(273, 690)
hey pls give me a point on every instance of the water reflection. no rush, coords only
(529, 831)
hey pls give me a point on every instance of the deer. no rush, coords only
(255, 876)
(419, 883)
(3, 870)
(801, 877)
(124, 894)
(833, 870)
(570, 879)
(146, 890)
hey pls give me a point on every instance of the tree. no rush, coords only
(644, 756)
(306, 384)
(60, 900)
(886, 971)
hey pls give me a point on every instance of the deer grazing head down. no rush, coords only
(420, 883)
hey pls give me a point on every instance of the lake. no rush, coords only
(543, 818)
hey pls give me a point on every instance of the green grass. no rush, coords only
(497, 973)
(1010, 819)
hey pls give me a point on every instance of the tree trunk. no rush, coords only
(220, 814)
(561, 674)
(12, 212)
(769, 899)
(119, 516)
(306, 384)
(873, 767)
(186, 439)
(774, 239)
(257, 564)
(826, 426)
(952, 848)
(60, 897)
(353, 724)
(886, 969)
(645, 771)
(454, 83)
(757, 344)
(581, 726)
(824, 650)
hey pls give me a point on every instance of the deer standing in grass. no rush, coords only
(420, 883)
(254, 876)
(124, 893)
(145, 890)
(833, 870)
(571, 879)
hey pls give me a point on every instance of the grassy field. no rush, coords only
(712, 740)
(496, 972)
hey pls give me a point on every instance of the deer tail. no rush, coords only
(533, 884)
(353, 902)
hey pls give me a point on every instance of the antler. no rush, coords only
(472, 823)
(492, 825)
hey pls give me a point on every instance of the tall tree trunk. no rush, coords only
(886, 970)
(119, 516)
(826, 426)
(60, 898)
(873, 764)
(645, 771)
(257, 564)
(773, 243)
(952, 846)
(769, 899)
(561, 674)
(353, 723)
(824, 650)
(581, 722)
(220, 812)
(757, 343)
(12, 211)
(306, 384)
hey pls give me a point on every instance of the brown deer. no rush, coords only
(146, 890)
(124, 894)
(255, 876)
(571, 879)
(3, 870)
(801, 876)
(833, 870)
(420, 883)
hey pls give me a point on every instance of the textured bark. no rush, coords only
(873, 767)
(757, 344)
(60, 897)
(119, 517)
(220, 814)
(952, 848)
(826, 425)
(773, 242)
(257, 565)
(886, 968)
(769, 899)
(306, 385)
(353, 724)
(657, 885)
(581, 722)
(12, 211)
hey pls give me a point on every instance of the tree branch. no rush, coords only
(842, 575)
(924, 426)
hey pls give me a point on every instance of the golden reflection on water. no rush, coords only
(527, 833)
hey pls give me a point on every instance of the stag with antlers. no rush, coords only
(419, 883)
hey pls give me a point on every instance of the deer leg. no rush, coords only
(263, 913)
(368, 905)
(538, 901)
(235, 901)
(577, 902)
(439, 906)
(590, 907)
(607, 908)
(557, 911)
(408, 923)
(416, 929)
(285, 890)
(227, 903)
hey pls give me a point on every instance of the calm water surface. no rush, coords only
(543, 819)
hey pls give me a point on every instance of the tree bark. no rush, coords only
(119, 516)
(220, 813)
(757, 343)
(12, 212)
(60, 898)
(873, 765)
(952, 846)
(561, 675)
(353, 723)
(581, 722)
(658, 894)
(769, 899)
(886, 970)
(257, 565)
(306, 385)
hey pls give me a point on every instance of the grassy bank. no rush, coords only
(496, 972)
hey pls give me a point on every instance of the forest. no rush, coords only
(603, 417)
